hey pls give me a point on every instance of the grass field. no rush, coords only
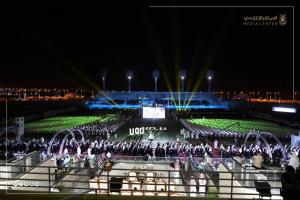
(54, 124)
(244, 126)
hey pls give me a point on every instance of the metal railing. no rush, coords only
(144, 179)
(244, 176)
(22, 165)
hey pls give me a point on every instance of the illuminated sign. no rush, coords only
(141, 130)
(284, 109)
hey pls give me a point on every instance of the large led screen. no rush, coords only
(154, 112)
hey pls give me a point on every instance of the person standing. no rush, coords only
(216, 144)
(288, 181)
(294, 161)
(108, 156)
(193, 189)
(78, 152)
(86, 163)
(257, 160)
(202, 185)
(176, 172)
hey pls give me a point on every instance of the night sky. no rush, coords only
(66, 46)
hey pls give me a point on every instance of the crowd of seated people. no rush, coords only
(271, 154)
(196, 131)
(18, 149)
(132, 148)
(102, 128)
(96, 130)
(188, 114)
(291, 121)
(97, 144)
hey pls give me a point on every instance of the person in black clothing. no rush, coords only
(288, 182)
(59, 162)
(86, 163)
(276, 158)
(56, 176)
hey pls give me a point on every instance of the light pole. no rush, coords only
(155, 75)
(209, 76)
(129, 76)
(182, 76)
(103, 75)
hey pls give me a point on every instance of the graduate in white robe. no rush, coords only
(193, 189)
(294, 161)
(176, 173)
(78, 152)
(202, 185)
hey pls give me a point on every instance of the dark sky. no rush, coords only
(67, 46)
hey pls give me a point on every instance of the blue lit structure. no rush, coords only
(169, 100)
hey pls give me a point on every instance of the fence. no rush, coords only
(117, 178)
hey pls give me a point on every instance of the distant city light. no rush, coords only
(284, 109)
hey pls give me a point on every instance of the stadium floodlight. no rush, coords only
(129, 76)
(209, 76)
(182, 76)
(155, 75)
(103, 75)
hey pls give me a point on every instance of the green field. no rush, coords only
(54, 124)
(244, 126)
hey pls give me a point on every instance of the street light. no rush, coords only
(129, 76)
(103, 75)
(182, 76)
(209, 76)
(155, 75)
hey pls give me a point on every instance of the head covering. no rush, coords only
(202, 179)
(294, 160)
(192, 181)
